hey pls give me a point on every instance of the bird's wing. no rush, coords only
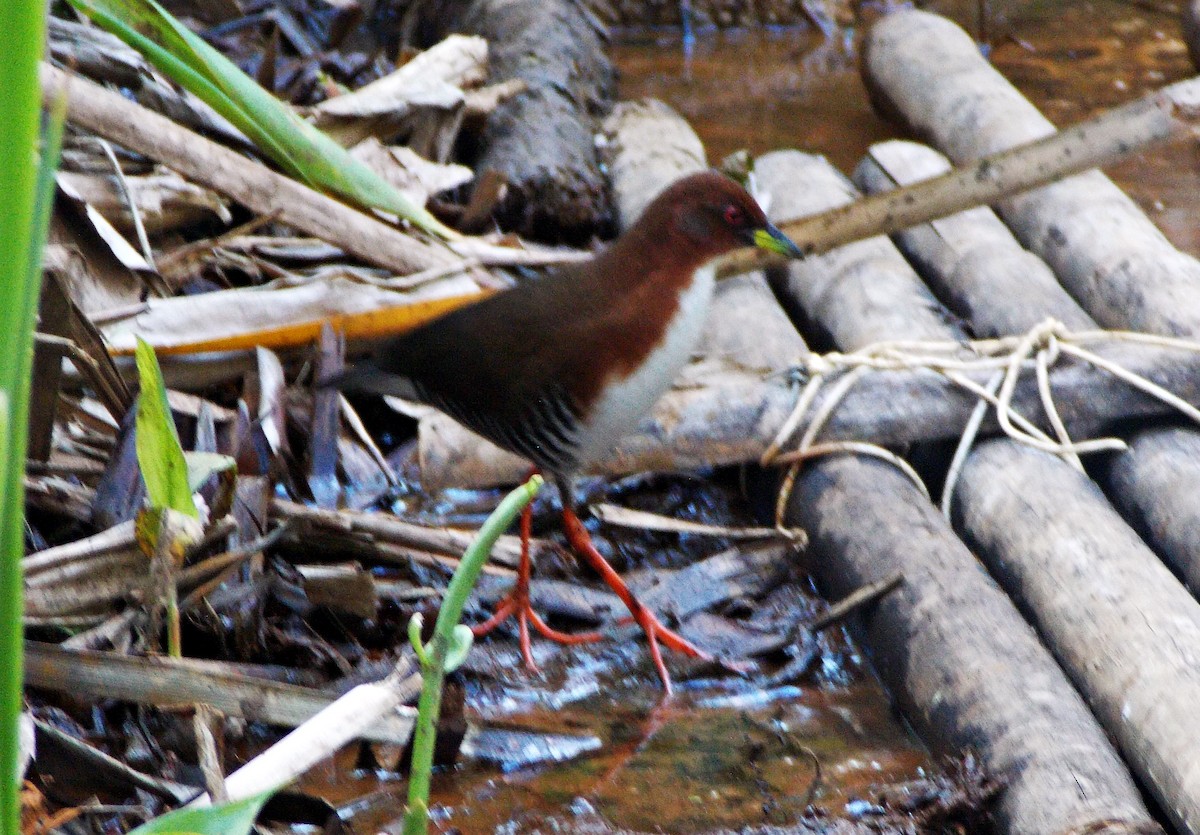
(462, 361)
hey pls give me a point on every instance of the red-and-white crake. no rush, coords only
(558, 369)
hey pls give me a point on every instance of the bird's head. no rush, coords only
(707, 215)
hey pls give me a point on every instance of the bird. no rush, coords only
(559, 368)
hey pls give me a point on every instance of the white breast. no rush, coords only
(625, 403)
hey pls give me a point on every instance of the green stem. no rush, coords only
(416, 818)
(463, 581)
(10, 625)
(444, 644)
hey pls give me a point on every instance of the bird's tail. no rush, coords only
(368, 377)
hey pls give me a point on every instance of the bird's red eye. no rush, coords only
(733, 215)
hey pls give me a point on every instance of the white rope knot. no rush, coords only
(814, 365)
(1040, 349)
(1045, 332)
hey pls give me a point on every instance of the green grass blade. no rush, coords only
(201, 85)
(10, 611)
(303, 150)
(160, 457)
(22, 232)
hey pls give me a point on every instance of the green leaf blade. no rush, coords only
(27, 182)
(160, 456)
(236, 818)
(300, 148)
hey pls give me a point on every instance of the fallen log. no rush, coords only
(646, 147)
(1121, 624)
(1001, 294)
(1155, 484)
(966, 669)
(542, 139)
(950, 645)
(734, 418)
(856, 294)
(1106, 250)
(1114, 261)
(971, 260)
(1001, 288)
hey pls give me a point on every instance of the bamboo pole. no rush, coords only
(1105, 251)
(1125, 629)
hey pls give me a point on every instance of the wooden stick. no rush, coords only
(385, 528)
(860, 293)
(350, 717)
(166, 682)
(1021, 296)
(861, 597)
(253, 185)
(971, 259)
(1169, 114)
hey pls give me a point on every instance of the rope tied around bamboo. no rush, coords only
(1040, 349)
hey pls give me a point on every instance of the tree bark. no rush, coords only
(1119, 267)
(1121, 624)
(542, 140)
(971, 260)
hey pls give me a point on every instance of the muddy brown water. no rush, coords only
(710, 758)
(704, 760)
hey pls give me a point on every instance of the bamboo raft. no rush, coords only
(1041, 621)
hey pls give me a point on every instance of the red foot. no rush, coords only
(516, 603)
(577, 535)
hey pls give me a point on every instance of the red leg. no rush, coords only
(516, 603)
(577, 535)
